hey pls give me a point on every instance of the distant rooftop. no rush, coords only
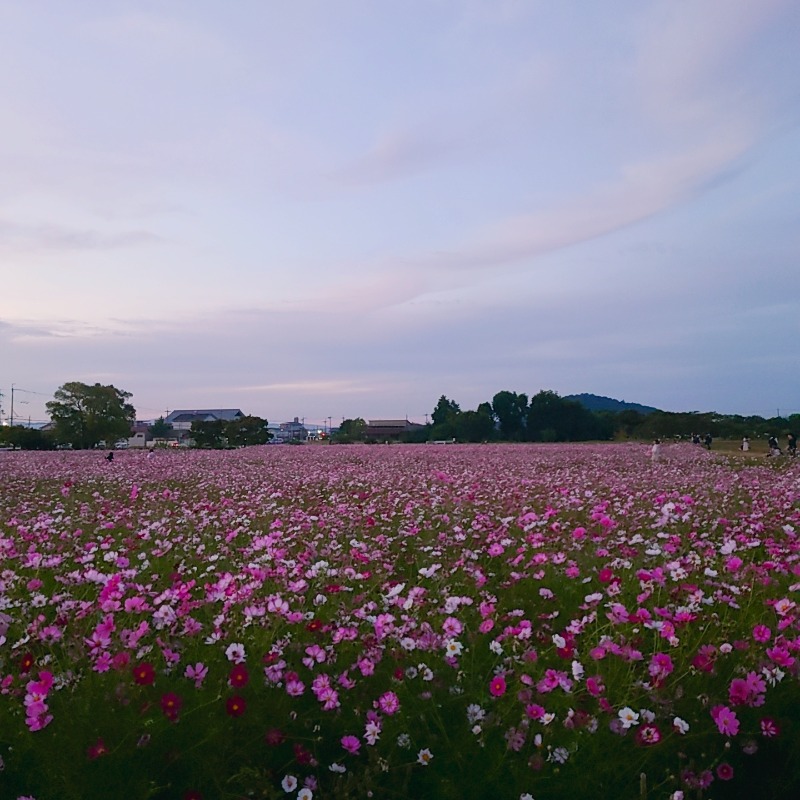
(204, 414)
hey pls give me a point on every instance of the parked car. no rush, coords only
(121, 444)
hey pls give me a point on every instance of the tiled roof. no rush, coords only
(185, 414)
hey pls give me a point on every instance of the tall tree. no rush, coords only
(246, 431)
(209, 434)
(352, 430)
(85, 415)
(444, 410)
(160, 428)
(511, 410)
(474, 426)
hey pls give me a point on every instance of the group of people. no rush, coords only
(706, 440)
(774, 447)
(772, 444)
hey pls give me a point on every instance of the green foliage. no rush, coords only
(474, 426)
(511, 410)
(444, 410)
(351, 430)
(218, 434)
(23, 438)
(160, 429)
(246, 431)
(84, 415)
(209, 434)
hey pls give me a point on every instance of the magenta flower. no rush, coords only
(351, 743)
(96, 750)
(726, 720)
(389, 703)
(144, 674)
(724, 771)
(769, 728)
(196, 673)
(648, 735)
(235, 706)
(171, 705)
(497, 686)
(238, 676)
(762, 634)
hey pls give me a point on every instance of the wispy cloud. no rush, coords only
(398, 155)
(17, 237)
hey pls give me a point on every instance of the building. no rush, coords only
(294, 431)
(182, 419)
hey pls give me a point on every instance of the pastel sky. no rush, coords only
(336, 208)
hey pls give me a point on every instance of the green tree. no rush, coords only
(209, 434)
(444, 410)
(352, 430)
(246, 431)
(160, 429)
(511, 411)
(18, 436)
(552, 418)
(474, 426)
(444, 419)
(84, 415)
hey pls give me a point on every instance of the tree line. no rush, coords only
(548, 417)
(84, 415)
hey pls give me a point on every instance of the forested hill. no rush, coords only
(594, 402)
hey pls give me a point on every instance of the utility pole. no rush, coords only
(12, 405)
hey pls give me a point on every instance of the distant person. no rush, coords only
(707, 441)
(745, 445)
(655, 451)
(772, 444)
(110, 456)
(150, 452)
(791, 445)
(695, 439)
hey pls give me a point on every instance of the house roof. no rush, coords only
(188, 415)
(399, 424)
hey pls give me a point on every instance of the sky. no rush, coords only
(341, 209)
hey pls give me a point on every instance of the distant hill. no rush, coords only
(595, 402)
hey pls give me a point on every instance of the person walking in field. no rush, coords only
(707, 441)
(655, 451)
(791, 445)
(772, 444)
(745, 444)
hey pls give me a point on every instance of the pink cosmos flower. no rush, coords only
(534, 711)
(452, 627)
(238, 676)
(761, 633)
(726, 720)
(96, 750)
(389, 703)
(351, 743)
(648, 735)
(724, 771)
(497, 686)
(769, 728)
(196, 673)
(235, 706)
(171, 705)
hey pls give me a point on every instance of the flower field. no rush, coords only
(524, 621)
